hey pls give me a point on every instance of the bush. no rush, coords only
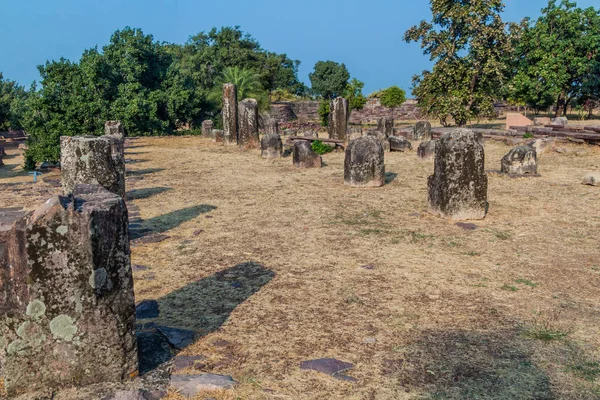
(324, 111)
(321, 148)
(29, 164)
(528, 135)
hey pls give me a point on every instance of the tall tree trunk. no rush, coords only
(560, 105)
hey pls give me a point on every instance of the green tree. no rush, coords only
(329, 79)
(392, 97)
(12, 100)
(468, 44)
(247, 83)
(557, 57)
(354, 94)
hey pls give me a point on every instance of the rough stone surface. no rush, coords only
(386, 125)
(270, 126)
(382, 138)
(304, 156)
(154, 350)
(426, 149)
(330, 366)
(364, 163)
(422, 131)
(67, 313)
(560, 121)
(271, 146)
(230, 114)
(520, 160)
(217, 135)
(114, 128)
(541, 121)
(338, 118)
(183, 362)
(541, 145)
(354, 132)
(191, 385)
(91, 160)
(592, 179)
(458, 186)
(147, 309)
(207, 128)
(398, 143)
(248, 123)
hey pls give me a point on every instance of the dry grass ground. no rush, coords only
(268, 262)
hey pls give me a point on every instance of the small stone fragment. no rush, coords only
(520, 160)
(191, 385)
(592, 179)
(466, 226)
(330, 366)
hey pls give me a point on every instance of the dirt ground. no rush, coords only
(273, 265)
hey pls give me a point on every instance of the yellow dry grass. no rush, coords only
(266, 262)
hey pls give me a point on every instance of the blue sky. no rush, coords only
(365, 35)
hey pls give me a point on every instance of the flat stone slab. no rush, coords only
(182, 362)
(330, 366)
(190, 385)
(147, 309)
(178, 338)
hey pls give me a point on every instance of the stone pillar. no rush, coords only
(91, 160)
(364, 164)
(339, 113)
(271, 146)
(520, 161)
(67, 310)
(422, 131)
(230, 114)
(248, 123)
(207, 128)
(271, 126)
(304, 156)
(426, 149)
(386, 125)
(114, 128)
(115, 131)
(383, 140)
(458, 186)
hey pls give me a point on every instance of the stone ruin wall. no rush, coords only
(285, 111)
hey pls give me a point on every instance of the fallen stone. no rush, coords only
(520, 160)
(147, 309)
(541, 121)
(191, 385)
(426, 149)
(560, 121)
(364, 163)
(304, 156)
(398, 143)
(592, 179)
(178, 338)
(271, 146)
(330, 366)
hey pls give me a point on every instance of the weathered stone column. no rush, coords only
(114, 128)
(67, 312)
(271, 146)
(458, 186)
(115, 131)
(364, 164)
(230, 114)
(207, 128)
(339, 113)
(248, 123)
(422, 131)
(271, 126)
(426, 149)
(217, 135)
(386, 125)
(91, 160)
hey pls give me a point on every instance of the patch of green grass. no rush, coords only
(544, 332)
(418, 237)
(509, 288)
(589, 371)
(473, 253)
(526, 282)
(502, 234)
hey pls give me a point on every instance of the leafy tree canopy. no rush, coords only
(354, 94)
(392, 97)
(329, 79)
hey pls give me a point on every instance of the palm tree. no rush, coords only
(247, 84)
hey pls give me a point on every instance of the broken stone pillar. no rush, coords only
(304, 156)
(364, 164)
(67, 312)
(339, 113)
(422, 131)
(115, 131)
(386, 125)
(458, 186)
(92, 160)
(271, 146)
(217, 135)
(426, 149)
(248, 123)
(591, 179)
(271, 126)
(230, 114)
(398, 143)
(520, 160)
(207, 128)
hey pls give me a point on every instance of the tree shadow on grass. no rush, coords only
(461, 365)
(138, 194)
(196, 310)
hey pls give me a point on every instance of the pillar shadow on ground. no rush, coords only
(146, 171)
(138, 194)
(390, 176)
(195, 310)
(139, 228)
(470, 365)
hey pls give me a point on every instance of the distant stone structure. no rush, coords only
(207, 128)
(115, 131)
(338, 118)
(364, 163)
(520, 160)
(398, 143)
(354, 132)
(248, 123)
(381, 137)
(230, 114)
(560, 121)
(458, 186)
(91, 160)
(517, 119)
(422, 131)
(426, 149)
(67, 312)
(541, 121)
(304, 156)
(217, 135)
(271, 146)
(386, 125)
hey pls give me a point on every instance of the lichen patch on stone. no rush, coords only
(36, 309)
(62, 327)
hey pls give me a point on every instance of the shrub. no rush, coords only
(528, 135)
(29, 164)
(324, 111)
(321, 148)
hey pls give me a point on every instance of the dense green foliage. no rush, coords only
(321, 148)
(329, 79)
(354, 94)
(469, 45)
(557, 58)
(153, 88)
(324, 110)
(392, 97)
(12, 104)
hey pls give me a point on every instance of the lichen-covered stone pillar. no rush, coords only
(115, 131)
(422, 131)
(91, 160)
(458, 186)
(114, 128)
(67, 310)
(248, 123)
(339, 113)
(230, 114)
(386, 126)
(364, 163)
(207, 128)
